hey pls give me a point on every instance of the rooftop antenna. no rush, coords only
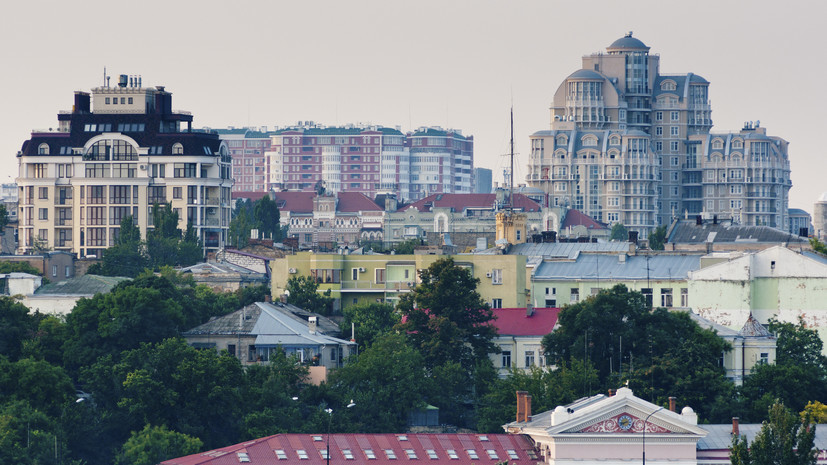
(105, 79)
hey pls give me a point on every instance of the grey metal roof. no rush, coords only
(627, 43)
(722, 330)
(586, 74)
(89, 284)
(568, 250)
(597, 266)
(687, 232)
(214, 267)
(272, 324)
(720, 436)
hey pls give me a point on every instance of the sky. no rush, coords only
(454, 64)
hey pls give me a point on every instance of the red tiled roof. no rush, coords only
(356, 202)
(264, 451)
(296, 202)
(578, 218)
(515, 321)
(460, 202)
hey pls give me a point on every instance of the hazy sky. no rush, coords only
(457, 64)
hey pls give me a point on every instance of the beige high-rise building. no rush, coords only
(625, 146)
(118, 152)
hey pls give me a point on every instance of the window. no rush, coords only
(379, 274)
(42, 193)
(674, 131)
(764, 358)
(529, 358)
(496, 303)
(54, 270)
(658, 116)
(674, 145)
(431, 454)
(323, 452)
(176, 192)
(302, 454)
(512, 454)
(411, 454)
(280, 454)
(369, 454)
(506, 358)
(472, 454)
(390, 454)
(675, 116)
(492, 454)
(43, 149)
(684, 297)
(43, 214)
(452, 454)
(348, 454)
(647, 294)
(575, 295)
(659, 131)
(354, 274)
(496, 276)
(666, 297)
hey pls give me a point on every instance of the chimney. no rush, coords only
(527, 407)
(735, 429)
(268, 298)
(611, 392)
(283, 298)
(521, 405)
(671, 404)
(311, 324)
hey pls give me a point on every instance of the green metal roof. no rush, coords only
(84, 285)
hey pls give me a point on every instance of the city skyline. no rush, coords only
(455, 64)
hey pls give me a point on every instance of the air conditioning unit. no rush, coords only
(361, 270)
(488, 275)
(292, 271)
(143, 167)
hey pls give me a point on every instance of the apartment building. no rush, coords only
(119, 151)
(626, 145)
(247, 147)
(370, 160)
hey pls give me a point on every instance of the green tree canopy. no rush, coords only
(784, 439)
(303, 293)
(657, 238)
(16, 325)
(267, 217)
(446, 319)
(370, 321)
(619, 232)
(798, 345)
(154, 444)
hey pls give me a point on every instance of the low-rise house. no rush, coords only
(55, 265)
(520, 337)
(609, 429)
(577, 224)
(326, 221)
(773, 283)
(12, 284)
(60, 297)
(378, 449)
(661, 278)
(359, 279)
(717, 235)
(225, 277)
(752, 345)
(257, 330)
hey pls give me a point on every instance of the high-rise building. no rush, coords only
(247, 147)
(370, 160)
(118, 152)
(483, 181)
(627, 145)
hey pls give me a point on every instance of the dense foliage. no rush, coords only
(263, 215)
(784, 439)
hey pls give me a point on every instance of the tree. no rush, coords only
(267, 218)
(16, 325)
(241, 224)
(154, 444)
(304, 294)
(657, 238)
(619, 232)
(370, 321)
(389, 373)
(165, 243)
(446, 319)
(18, 267)
(407, 247)
(818, 246)
(784, 439)
(128, 256)
(798, 345)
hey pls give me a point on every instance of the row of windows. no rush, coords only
(114, 100)
(391, 454)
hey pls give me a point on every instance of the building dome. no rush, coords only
(627, 43)
(585, 74)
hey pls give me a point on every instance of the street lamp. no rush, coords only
(330, 420)
(644, 432)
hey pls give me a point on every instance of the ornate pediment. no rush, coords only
(623, 423)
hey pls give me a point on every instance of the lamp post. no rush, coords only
(329, 421)
(644, 432)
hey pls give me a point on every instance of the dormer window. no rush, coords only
(717, 144)
(43, 149)
(668, 85)
(177, 149)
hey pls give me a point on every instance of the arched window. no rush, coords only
(589, 141)
(717, 144)
(43, 149)
(737, 144)
(562, 140)
(615, 140)
(668, 85)
(177, 149)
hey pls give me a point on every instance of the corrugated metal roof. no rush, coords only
(594, 266)
(517, 322)
(408, 448)
(720, 436)
(89, 284)
(686, 231)
(568, 250)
